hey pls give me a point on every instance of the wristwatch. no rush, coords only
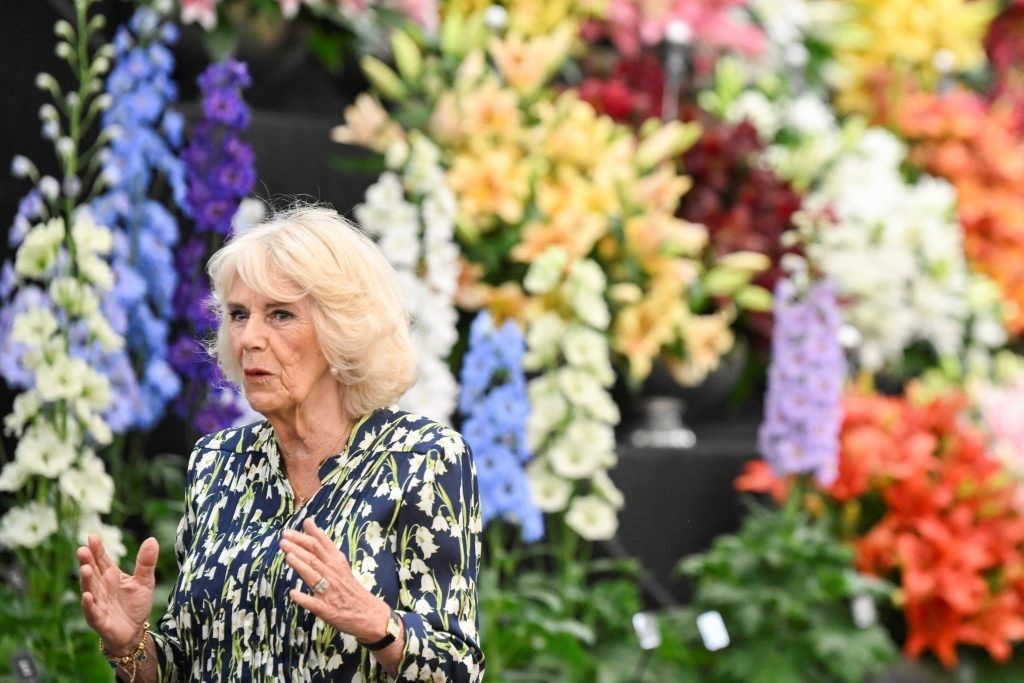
(391, 633)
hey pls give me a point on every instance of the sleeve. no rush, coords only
(438, 535)
(170, 655)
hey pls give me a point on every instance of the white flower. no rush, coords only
(33, 326)
(549, 491)
(25, 407)
(590, 435)
(396, 154)
(13, 476)
(400, 241)
(592, 518)
(542, 339)
(27, 526)
(89, 484)
(574, 460)
(588, 349)
(100, 330)
(250, 213)
(753, 106)
(810, 116)
(110, 537)
(42, 451)
(586, 274)
(547, 271)
(75, 297)
(577, 385)
(89, 237)
(591, 308)
(604, 487)
(38, 252)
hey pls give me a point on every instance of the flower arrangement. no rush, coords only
(411, 211)
(220, 172)
(948, 530)
(921, 290)
(912, 45)
(976, 147)
(58, 483)
(531, 170)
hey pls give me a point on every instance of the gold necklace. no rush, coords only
(301, 500)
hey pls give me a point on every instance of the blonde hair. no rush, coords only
(360, 320)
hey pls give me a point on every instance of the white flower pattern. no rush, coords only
(229, 617)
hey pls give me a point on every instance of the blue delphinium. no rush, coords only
(495, 405)
(803, 406)
(220, 172)
(143, 154)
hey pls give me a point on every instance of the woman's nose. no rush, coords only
(254, 333)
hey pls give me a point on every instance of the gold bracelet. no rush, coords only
(131, 661)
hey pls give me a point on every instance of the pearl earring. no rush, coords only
(334, 372)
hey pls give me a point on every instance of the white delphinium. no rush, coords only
(28, 525)
(895, 250)
(57, 420)
(411, 212)
(571, 424)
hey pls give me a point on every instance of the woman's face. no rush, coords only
(276, 348)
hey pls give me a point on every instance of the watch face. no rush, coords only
(394, 625)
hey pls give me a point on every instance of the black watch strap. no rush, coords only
(394, 629)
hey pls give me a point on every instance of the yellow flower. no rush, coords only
(661, 190)
(575, 233)
(892, 44)
(368, 125)
(526, 63)
(571, 131)
(538, 17)
(490, 115)
(706, 338)
(490, 184)
(641, 330)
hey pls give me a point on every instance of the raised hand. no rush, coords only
(116, 604)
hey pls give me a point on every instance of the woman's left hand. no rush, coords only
(343, 603)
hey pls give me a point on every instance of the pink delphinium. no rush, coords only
(633, 24)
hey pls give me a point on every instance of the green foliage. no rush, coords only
(549, 613)
(783, 585)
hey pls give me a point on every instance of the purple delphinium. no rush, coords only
(143, 154)
(220, 172)
(803, 406)
(495, 406)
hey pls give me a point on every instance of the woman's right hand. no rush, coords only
(117, 604)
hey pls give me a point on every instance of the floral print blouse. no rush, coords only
(402, 504)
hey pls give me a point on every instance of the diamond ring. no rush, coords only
(321, 586)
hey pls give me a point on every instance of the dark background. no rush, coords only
(676, 501)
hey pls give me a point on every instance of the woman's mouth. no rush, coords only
(255, 373)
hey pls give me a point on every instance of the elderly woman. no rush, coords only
(339, 538)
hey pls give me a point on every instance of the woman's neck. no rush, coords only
(308, 442)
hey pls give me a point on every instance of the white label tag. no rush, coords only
(647, 630)
(862, 608)
(712, 631)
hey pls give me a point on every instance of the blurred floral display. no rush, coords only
(577, 196)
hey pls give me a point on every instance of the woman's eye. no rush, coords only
(237, 315)
(281, 315)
